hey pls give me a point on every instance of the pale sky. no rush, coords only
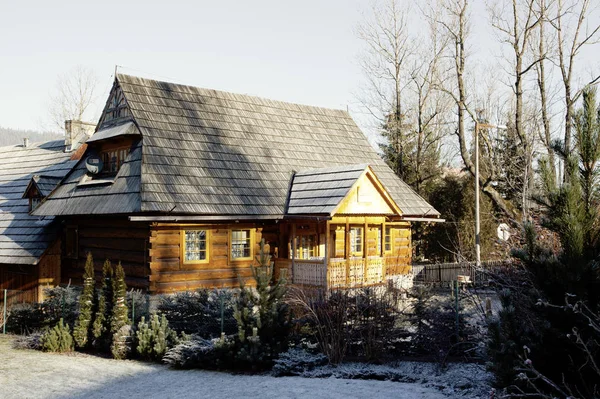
(299, 51)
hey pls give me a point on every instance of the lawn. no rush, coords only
(33, 374)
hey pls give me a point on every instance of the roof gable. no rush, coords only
(351, 189)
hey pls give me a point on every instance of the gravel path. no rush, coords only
(33, 374)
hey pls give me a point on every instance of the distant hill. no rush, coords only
(16, 136)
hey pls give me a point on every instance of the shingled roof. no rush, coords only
(208, 152)
(24, 238)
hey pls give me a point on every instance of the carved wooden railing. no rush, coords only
(309, 272)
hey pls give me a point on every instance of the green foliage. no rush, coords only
(121, 344)
(119, 309)
(262, 316)
(537, 313)
(118, 313)
(82, 330)
(155, 338)
(454, 240)
(58, 339)
(102, 321)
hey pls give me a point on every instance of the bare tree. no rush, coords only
(73, 97)
(516, 21)
(455, 21)
(573, 35)
(540, 68)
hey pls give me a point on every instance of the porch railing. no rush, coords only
(342, 272)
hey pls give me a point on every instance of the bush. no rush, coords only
(121, 345)
(31, 341)
(197, 352)
(297, 361)
(154, 338)
(363, 323)
(59, 302)
(199, 312)
(58, 339)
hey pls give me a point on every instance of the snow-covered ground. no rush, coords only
(33, 374)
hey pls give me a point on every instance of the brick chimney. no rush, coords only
(76, 133)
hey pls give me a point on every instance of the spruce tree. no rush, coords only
(83, 324)
(102, 321)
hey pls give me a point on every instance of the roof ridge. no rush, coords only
(225, 93)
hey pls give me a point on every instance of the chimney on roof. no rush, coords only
(77, 133)
(25, 142)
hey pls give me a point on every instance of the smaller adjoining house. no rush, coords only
(180, 184)
(30, 248)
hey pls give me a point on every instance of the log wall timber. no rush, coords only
(168, 272)
(49, 269)
(21, 283)
(118, 240)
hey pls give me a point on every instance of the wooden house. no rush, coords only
(30, 248)
(180, 184)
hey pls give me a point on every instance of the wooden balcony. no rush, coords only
(339, 272)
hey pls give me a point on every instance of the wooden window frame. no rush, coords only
(120, 159)
(352, 244)
(182, 246)
(230, 245)
(385, 243)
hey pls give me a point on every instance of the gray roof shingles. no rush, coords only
(24, 238)
(213, 152)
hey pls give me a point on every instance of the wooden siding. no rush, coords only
(21, 283)
(115, 239)
(168, 273)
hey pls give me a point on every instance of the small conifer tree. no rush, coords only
(83, 324)
(154, 338)
(102, 321)
(58, 339)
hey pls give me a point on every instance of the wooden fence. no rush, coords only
(448, 272)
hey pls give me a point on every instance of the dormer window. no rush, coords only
(39, 187)
(34, 203)
(113, 159)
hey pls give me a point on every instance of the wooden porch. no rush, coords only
(340, 272)
(344, 252)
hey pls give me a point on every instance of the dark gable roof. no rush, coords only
(212, 152)
(24, 238)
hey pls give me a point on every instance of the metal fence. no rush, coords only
(445, 273)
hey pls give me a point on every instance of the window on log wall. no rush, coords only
(356, 241)
(195, 246)
(241, 244)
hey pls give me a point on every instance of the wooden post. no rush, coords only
(293, 251)
(383, 257)
(326, 255)
(365, 252)
(347, 251)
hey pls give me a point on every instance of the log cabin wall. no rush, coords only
(21, 283)
(169, 272)
(49, 269)
(118, 240)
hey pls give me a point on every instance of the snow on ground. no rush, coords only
(33, 374)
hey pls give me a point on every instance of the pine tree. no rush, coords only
(82, 330)
(119, 316)
(58, 339)
(262, 316)
(102, 321)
